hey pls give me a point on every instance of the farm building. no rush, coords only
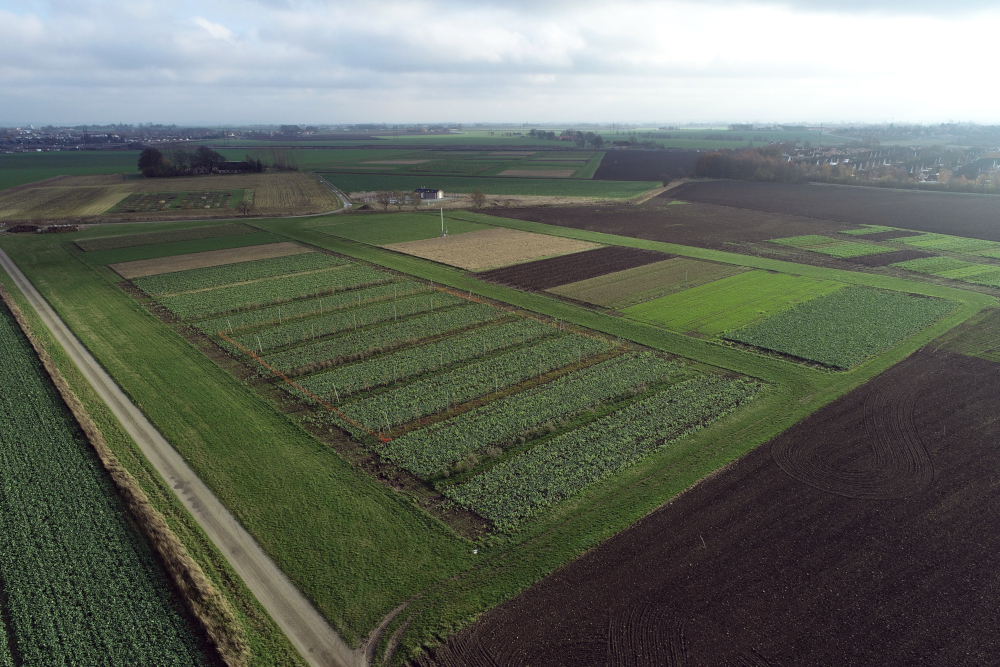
(231, 168)
(200, 170)
(429, 193)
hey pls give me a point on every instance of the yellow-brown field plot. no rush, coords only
(200, 260)
(273, 194)
(539, 173)
(490, 248)
(622, 289)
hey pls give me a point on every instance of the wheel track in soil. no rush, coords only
(898, 465)
(308, 631)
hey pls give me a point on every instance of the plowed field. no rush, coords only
(974, 216)
(645, 165)
(555, 271)
(864, 535)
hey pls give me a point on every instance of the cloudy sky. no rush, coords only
(325, 61)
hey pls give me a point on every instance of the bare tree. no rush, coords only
(478, 198)
(246, 207)
(399, 199)
(383, 198)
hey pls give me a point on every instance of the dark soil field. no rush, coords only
(973, 216)
(864, 535)
(629, 165)
(555, 271)
(701, 225)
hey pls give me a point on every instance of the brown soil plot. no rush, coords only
(862, 536)
(645, 283)
(490, 247)
(548, 273)
(199, 260)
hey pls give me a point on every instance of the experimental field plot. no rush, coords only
(826, 245)
(461, 395)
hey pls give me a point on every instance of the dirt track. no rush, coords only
(307, 630)
(877, 547)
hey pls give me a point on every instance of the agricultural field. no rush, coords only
(293, 259)
(153, 238)
(548, 273)
(545, 187)
(956, 269)
(646, 165)
(490, 248)
(956, 244)
(114, 198)
(843, 328)
(78, 583)
(729, 303)
(18, 169)
(383, 229)
(830, 246)
(200, 260)
(630, 287)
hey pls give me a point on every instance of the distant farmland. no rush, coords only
(547, 187)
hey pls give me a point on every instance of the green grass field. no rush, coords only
(730, 303)
(645, 283)
(548, 187)
(20, 168)
(383, 229)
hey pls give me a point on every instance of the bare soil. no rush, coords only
(199, 260)
(970, 215)
(490, 247)
(628, 165)
(547, 273)
(861, 536)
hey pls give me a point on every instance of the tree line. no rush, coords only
(181, 162)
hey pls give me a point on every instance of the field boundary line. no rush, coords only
(308, 631)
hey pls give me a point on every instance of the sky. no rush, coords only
(221, 62)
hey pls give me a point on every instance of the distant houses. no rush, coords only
(429, 193)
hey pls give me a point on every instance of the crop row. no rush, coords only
(379, 339)
(844, 328)
(946, 243)
(273, 290)
(215, 276)
(956, 269)
(553, 470)
(80, 585)
(438, 392)
(284, 312)
(428, 451)
(302, 330)
(383, 370)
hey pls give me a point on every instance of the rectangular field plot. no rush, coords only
(375, 229)
(959, 244)
(491, 247)
(846, 327)
(77, 577)
(869, 229)
(519, 487)
(622, 289)
(202, 260)
(547, 273)
(730, 303)
(293, 260)
(831, 246)
(956, 269)
(152, 238)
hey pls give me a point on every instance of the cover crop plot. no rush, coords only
(830, 246)
(80, 585)
(281, 313)
(379, 339)
(437, 393)
(956, 269)
(302, 330)
(152, 238)
(517, 488)
(645, 283)
(431, 357)
(215, 276)
(428, 451)
(731, 302)
(870, 229)
(846, 327)
(959, 244)
(273, 290)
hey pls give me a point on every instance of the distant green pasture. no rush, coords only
(20, 168)
(552, 187)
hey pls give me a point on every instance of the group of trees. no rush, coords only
(180, 162)
(580, 139)
(751, 164)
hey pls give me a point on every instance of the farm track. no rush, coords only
(753, 568)
(317, 642)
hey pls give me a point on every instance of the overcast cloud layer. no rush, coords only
(291, 61)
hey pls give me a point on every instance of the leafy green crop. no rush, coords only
(956, 269)
(273, 290)
(869, 229)
(831, 246)
(427, 451)
(844, 328)
(553, 470)
(436, 392)
(944, 242)
(384, 337)
(81, 586)
(214, 276)
(427, 358)
(307, 307)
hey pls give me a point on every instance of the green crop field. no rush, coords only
(870, 229)
(548, 187)
(383, 229)
(831, 246)
(153, 238)
(844, 328)
(622, 289)
(239, 272)
(956, 269)
(80, 585)
(957, 244)
(730, 303)
(157, 250)
(21, 168)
